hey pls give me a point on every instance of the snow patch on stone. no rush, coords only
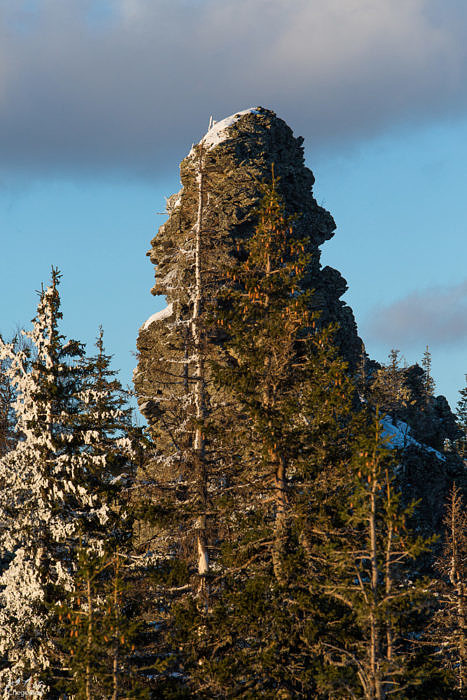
(158, 316)
(174, 201)
(218, 131)
(398, 434)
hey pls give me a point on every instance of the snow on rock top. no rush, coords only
(218, 131)
(158, 316)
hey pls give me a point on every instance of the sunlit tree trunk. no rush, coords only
(90, 630)
(200, 387)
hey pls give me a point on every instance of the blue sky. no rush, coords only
(99, 101)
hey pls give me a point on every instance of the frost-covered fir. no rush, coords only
(186, 464)
(96, 657)
(6, 400)
(44, 501)
(108, 441)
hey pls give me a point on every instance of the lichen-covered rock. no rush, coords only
(239, 154)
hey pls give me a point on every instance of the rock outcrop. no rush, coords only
(240, 153)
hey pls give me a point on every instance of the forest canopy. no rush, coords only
(290, 522)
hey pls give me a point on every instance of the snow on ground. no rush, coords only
(158, 316)
(398, 434)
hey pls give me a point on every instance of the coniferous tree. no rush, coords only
(101, 630)
(183, 475)
(252, 483)
(292, 401)
(44, 502)
(106, 410)
(428, 381)
(108, 450)
(279, 362)
(180, 410)
(80, 617)
(6, 418)
(449, 628)
(462, 421)
(109, 444)
(369, 563)
(389, 390)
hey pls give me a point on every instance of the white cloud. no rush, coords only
(139, 85)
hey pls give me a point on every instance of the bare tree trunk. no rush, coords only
(278, 468)
(89, 638)
(374, 626)
(115, 665)
(281, 525)
(462, 682)
(458, 583)
(200, 389)
(388, 577)
(115, 675)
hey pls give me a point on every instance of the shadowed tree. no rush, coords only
(449, 628)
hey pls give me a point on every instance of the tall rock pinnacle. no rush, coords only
(238, 153)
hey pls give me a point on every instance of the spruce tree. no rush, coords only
(428, 381)
(449, 628)
(44, 501)
(389, 390)
(280, 365)
(6, 403)
(292, 403)
(184, 470)
(226, 169)
(100, 630)
(370, 570)
(109, 444)
(462, 421)
(183, 474)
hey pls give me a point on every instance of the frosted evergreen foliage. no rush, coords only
(109, 447)
(44, 501)
(7, 436)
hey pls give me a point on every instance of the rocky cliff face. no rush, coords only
(238, 154)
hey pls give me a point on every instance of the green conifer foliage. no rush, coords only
(109, 447)
(185, 465)
(462, 421)
(100, 631)
(108, 450)
(58, 494)
(7, 435)
(43, 499)
(428, 381)
(278, 359)
(290, 406)
(449, 628)
(370, 570)
(183, 475)
(80, 618)
(389, 390)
